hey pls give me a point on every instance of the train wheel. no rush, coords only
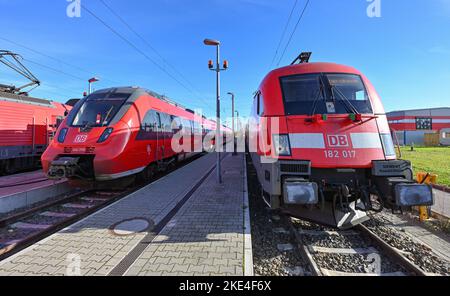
(147, 174)
(8, 167)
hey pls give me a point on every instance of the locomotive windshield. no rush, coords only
(324, 93)
(99, 109)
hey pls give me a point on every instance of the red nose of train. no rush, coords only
(340, 141)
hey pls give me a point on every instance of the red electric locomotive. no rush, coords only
(120, 132)
(325, 152)
(27, 126)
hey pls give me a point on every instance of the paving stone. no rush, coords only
(207, 230)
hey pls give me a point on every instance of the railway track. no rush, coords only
(356, 252)
(26, 228)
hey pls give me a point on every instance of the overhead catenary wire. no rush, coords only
(56, 59)
(293, 31)
(55, 70)
(284, 33)
(137, 49)
(122, 20)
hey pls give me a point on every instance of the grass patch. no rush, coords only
(435, 160)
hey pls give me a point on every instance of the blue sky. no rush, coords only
(405, 53)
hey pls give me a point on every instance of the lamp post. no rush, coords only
(216, 43)
(92, 80)
(233, 127)
(238, 124)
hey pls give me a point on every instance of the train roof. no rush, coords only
(319, 67)
(5, 96)
(271, 89)
(136, 91)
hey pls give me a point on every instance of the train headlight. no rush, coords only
(62, 135)
(388, 144)
(281, 145)
(105, 135)
(300, 192)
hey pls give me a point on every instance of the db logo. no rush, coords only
(80, 139)
(338, 141)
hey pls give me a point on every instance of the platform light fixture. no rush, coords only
(91, 81)
(217, 69)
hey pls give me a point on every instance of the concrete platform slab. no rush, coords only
(26, 189)
(204, 237)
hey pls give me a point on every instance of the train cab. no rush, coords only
(322, 147)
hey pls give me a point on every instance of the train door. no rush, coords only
(176, 127)
(166, 135)
(159, 151)
(150, 133)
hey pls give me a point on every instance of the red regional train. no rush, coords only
(27, 126)
(324, 150)
(121, 132)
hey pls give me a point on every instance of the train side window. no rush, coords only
(165, 122)
(260, 105)
(158, 115)
(150, 122)
(185, 125)
(59, 120)
(176, 123)
(197, 127)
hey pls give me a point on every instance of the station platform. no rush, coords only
(182, 224)
(441, 203)
(26, 189)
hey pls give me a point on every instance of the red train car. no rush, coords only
(27, 126)
(121, 132)
(324, 150)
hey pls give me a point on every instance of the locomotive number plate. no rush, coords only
(340, 153)
(80, 139)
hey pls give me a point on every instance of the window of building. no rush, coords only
(423, 123)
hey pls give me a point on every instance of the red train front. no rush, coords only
(323, 149)
(120, 132)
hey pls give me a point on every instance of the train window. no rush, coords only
(186, 125)
(158, 115)
(197, 127)
(98, 109)
(260, 104)
(150, 122)
(59, 120)
(309, 94)
(349, 85)
(176, 123)
(165, 122)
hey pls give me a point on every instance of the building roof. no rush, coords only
(442, 111)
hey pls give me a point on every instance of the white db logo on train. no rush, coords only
(338, 141)
(80, 139)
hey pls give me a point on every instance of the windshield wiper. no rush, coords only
(347, 104)
(316, 99)
(107, 115)
(87, 126)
